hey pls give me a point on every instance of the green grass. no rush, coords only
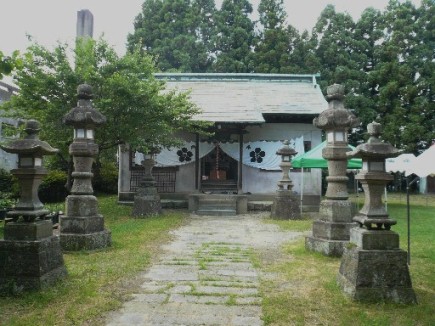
(97, 281)
(305, 291)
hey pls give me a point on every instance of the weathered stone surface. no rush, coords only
(336, 211)
(28, 230)
(285, 206)
(145, 206)
(78, 224)
(86, 241)
(30, 265)
(374, 240)
(327, 247)
(376, 276)
(332, 230)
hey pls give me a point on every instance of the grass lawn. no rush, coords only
(98, 281)
(305, 292)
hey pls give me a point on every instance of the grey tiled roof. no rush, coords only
(244, 98)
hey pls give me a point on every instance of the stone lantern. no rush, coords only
(373, 268)
(30, 256)
(331, 230)
(285, 205)
(147, 200)
(82, 227)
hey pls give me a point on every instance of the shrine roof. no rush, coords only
(244, 98)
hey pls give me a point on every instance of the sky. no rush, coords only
(50, 21)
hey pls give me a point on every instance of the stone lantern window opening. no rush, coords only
(333, 136)
(29, 161)
(373, 166)
(84, 133)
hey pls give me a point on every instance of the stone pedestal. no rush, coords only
(285, 206)
(374, 269)
(30, 257)
(82, 228)
(331, 230)
(147, 200)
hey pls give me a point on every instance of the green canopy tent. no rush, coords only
(313, 159)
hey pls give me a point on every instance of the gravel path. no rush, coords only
(205, 275)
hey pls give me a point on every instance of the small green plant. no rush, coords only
(6, 201)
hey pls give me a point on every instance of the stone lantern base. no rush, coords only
(82, 228)
(374, 269)
(147, 201)
(331, 230)
(30, 257)
(285, 206)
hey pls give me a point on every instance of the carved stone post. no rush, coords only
(147, 200)
(285, 206)
(30, 256)
(331, 230)
(82, 227)
(373, 268)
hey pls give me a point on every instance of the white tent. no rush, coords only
(401, 163)
(423, 165)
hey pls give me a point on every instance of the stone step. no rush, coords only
(216, 212)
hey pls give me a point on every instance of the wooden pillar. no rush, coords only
(239, 174)
(197, 164)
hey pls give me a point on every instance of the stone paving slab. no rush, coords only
(205, 275)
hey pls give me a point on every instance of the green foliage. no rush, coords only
(9, 63)
(137, 109)
(177, 33)
(106, 180)
(7, 201)
(6, 181)
(52, 188)
(385, 59)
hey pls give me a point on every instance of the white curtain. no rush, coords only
(182, 155)
(258, 154)
(261, 154)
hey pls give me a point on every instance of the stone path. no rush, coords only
(206, 275)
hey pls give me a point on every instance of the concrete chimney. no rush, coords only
(85, 23)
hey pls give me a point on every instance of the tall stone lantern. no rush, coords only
(30, 256)
(285, 205)
(82, 227)
(373, 268)
(147, 200)
(331, 230)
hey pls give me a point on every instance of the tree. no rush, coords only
(272, 52)
(138, 109)
(178, 33)
(235, 37)
(7, 64)
(403, 75)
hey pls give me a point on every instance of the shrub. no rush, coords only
(52, 188)
(106, 178)
(6, 181)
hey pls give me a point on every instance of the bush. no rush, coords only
(6, 181)
(52, 188)
(106, 178)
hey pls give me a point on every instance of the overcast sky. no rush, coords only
(49, 21)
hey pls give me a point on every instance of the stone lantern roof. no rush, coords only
(84, 114)
(31, 143)
(286, 150)
(336, 116)
(374, 148)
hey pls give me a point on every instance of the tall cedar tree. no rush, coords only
(272, 52)
(235, 37)
(178, 33)
(402, 75)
